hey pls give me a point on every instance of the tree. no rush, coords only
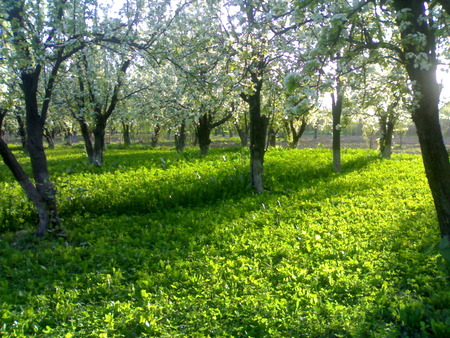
(415, 33)
(419, 34)
(38, 38)
(204, 69)
(257, 30)
(242, 125)
(302, 98)
(391, 101)
(100, 81)
(326, 49)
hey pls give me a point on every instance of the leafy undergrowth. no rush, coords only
(161, 244)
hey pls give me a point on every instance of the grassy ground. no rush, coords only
(170, 245)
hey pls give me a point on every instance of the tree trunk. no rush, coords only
(126, 133)
(180, 138)
(243, 134)
(387, 125)
(203, 131)
(22, 132)
(69, 137)
(30, 189)
(87, 139)
(272, 139)
(434, 152)
(296, 134)
(337, 113)
(258, 131)
(50, 137)
(47, 208)
(155, 136)
(99, 140)
(3, 113)
(204, 127)
(426, 110)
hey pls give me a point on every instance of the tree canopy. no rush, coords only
(200, 64)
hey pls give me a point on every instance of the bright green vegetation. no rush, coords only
(161, 244)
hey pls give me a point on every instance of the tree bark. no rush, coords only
(22, 132)
(69, 136)
(204, 127)
(426, 109)
(272, 139)
(296, 134)
(87, 139)
(50, 137)
(258, 130)
(434, 152)
(99, 140)
(243, 134)
(203, 131)
(337, 113)
(155, 136)
(47, 209)
(126, 133)
(387, 124)
(180, 137)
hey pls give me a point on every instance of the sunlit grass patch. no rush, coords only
(182, 247)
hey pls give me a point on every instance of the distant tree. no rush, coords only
(259, 37)
(301, 99)
(101, 79)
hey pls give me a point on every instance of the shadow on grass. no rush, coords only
(137, 264)
(154, 196)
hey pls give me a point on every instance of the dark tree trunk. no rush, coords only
(126, 133)
(258, 130)
(204, 127)
(180, 138)
(155, 136)
(3, 113)
(87, 139)
(50, 137)
(22, 132)
(434, 152)
(387, 124)
(195, 137)
(243, 134)
(337, 113)
(99, 140)
(426, 111)
(24, 181)
(296, 134)
(103, 111)
(272, 139)
(436, 162)
(69, 137)
(47, 208)
(203, 133)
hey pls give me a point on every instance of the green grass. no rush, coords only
(169, 245)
